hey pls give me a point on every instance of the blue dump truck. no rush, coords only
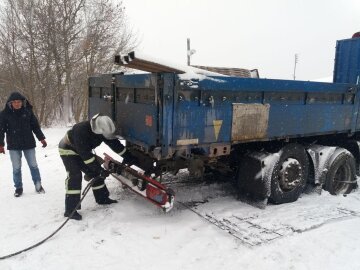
(272, 137)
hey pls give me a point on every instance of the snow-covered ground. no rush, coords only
(316, 232)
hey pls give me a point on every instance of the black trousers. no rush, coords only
(75, 166)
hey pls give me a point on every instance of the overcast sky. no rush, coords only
(262, 34)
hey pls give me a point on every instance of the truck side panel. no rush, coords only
(136, 109)
(295, 109)
(163, 113)
(200, 118)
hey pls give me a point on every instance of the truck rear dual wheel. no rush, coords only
(341, 175)
(289, 174)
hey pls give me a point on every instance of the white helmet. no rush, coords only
(102, 124)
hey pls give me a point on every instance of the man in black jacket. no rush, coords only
(18, 122)
(76, 153)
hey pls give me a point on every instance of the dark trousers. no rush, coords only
(75, 166)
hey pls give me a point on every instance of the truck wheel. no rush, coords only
(341, 175)
(289, 175)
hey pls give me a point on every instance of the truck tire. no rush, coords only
(341, 175)
(289, 175)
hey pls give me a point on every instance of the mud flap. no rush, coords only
(254, 174)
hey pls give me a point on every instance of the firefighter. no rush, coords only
(75, 150)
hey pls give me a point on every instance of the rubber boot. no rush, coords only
(75, 215)
(102, 196)
(71, 200)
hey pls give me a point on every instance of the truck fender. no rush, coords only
(319, 158)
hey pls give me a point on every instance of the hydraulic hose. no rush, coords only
(86, 190)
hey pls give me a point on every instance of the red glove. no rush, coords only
(2, 149)
(43, 143)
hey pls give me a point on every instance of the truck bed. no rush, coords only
(165, 113)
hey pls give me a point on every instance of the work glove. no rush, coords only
(129, 158)
(2, 149)
(43, 142)
(103, 174)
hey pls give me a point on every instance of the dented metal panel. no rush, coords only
(249, 121)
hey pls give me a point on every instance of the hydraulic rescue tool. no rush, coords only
(141, 184)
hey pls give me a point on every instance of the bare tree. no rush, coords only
(105, 35)
(21, 52)
(48, 48)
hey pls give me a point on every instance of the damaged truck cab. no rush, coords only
(272, 136)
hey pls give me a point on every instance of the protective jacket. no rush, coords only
(80, 140)
(19, 125)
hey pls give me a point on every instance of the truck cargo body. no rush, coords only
(163, 113)
(273, 136)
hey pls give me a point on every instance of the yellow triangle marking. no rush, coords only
(217, 126)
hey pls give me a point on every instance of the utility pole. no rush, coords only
(296, 61)
(189, 52)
